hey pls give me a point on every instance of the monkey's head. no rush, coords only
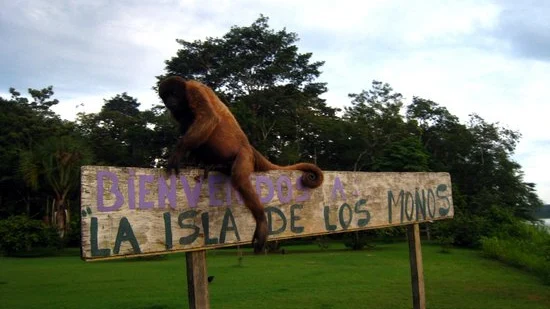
(172, 92)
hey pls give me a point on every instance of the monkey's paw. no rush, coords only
(173, 166)
(260, 237)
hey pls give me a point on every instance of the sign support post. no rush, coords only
(197, 280)
(417, 269)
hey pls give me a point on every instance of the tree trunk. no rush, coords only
(47, 219)
(61, 217)
(28, 205)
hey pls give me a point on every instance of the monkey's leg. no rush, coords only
(240, 178)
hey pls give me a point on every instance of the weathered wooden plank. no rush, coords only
(417, 269)
(135, 211)
(197, 280)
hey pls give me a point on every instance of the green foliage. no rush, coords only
(21, 234)
(118, 132)
(123, 104)
(467, 229)
(57, 159)
(267, 83)
(446, 243)
(246, 60)
(23, 124)
(55, 163)
(72, 239)
(522, 245)
(488, 186)
(378, 133)
(407, 155)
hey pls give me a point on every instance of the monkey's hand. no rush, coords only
(173, 165)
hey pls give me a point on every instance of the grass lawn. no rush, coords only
(305, 277)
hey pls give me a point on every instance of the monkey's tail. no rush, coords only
(312, 177)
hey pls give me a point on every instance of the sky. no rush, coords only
(491, 58)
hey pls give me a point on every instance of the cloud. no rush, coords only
(525, 28)
(487, 57)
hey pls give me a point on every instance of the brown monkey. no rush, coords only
(212, 135)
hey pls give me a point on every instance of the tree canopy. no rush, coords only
(274, 92)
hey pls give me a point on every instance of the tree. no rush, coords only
(123, 104)
(117, 134)
(404, 155)
(23, 123)
(495, 176)
(376, 124)
(447, 140)
(246, 60)
(267, 83)
(55, 163)
(488, 188)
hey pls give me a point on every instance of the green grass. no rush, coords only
(303, 278)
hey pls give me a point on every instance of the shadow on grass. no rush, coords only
(290, 250)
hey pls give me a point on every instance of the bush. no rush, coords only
(72, 238)
(446, 243)
(522, 245)
(358, 240)
(21, 234)
(468, 230)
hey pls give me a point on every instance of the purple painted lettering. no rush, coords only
(192, 196)
(338, 187)
(270, 192)
(114, 190)
(165, 193)
(131, 189)
(288, 197)
(144, 180)
(228, 189)
(213, 180)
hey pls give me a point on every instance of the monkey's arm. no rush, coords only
(205, 120)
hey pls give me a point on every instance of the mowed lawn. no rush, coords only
(304, 277)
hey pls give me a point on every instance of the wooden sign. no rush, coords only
(136, 211)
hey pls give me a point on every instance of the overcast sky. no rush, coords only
(486, 57)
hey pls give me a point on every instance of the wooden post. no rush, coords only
(197, 280)
(417, 270)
